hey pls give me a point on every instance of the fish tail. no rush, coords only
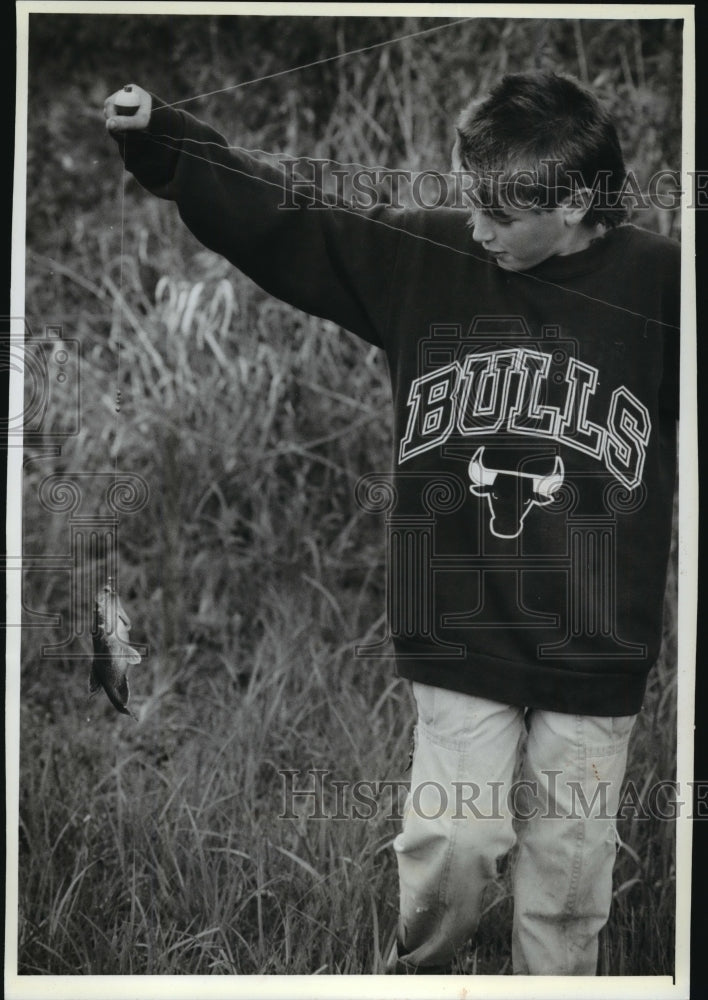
(117, 703)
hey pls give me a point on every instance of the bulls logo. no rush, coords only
(511, 494)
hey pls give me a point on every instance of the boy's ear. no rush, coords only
(575, 207)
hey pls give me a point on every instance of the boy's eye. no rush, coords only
(498, 215)
(495, 214)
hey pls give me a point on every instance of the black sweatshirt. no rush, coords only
(529, 508)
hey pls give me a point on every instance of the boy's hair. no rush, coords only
(539, 138)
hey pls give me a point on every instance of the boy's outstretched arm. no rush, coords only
(332, 261)
(128, 114)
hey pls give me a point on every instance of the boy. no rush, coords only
(532, 347)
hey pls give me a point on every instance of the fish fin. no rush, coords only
(121, 613)
(122, 631)
(122, 652)
(133, 655)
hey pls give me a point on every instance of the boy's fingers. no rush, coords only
(128, 109)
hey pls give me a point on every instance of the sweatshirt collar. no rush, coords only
(572, 265)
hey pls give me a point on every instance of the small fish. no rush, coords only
(112, 653)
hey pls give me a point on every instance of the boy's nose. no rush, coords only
(482, 230)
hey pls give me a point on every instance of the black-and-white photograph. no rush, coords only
(351, 546)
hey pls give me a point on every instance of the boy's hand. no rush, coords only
(128, 109)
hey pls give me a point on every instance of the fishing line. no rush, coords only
(112, 654)
(110, 672)
(119, 345)
(342, 55)
(350, 210)
(321, 62)
(129, 108)
(111, 558)
(257, 151)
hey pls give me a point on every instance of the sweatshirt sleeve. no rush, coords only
(331, 260)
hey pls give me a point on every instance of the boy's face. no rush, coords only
(520, 238)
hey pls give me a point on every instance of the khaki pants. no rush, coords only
(459, 821)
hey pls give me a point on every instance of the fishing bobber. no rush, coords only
(127, 101)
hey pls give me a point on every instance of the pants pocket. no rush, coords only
(424, 695)
(605, 736)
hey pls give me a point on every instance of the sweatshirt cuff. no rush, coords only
(152, 155)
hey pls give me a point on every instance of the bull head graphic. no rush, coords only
(510, 494)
